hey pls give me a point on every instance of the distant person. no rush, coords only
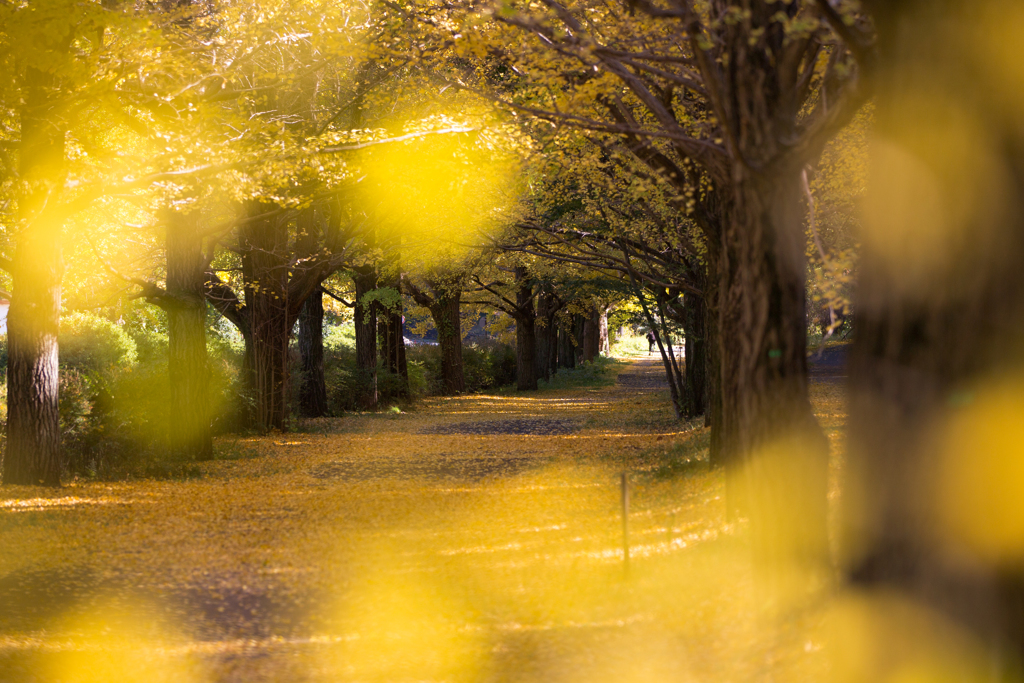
(650, 341)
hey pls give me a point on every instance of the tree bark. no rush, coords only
(579, 323)
(33, 453)
(445, 312)
(566, 348)
(526, 333)
(771, 442)
(189, 437)
(591, 334)
(313, 390)
(366, 336)
(264, 245)
(695, 386)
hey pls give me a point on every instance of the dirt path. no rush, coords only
(477, 538)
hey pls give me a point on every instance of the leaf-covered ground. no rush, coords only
(476, 538)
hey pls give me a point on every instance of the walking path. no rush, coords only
(475, 538)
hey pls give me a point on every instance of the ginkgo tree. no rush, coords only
(728, 100)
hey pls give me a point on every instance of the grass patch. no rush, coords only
(235, 450)
(677, 460)
(599, 373)
(172, 469)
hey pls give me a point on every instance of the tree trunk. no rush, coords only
(695, 386)
(578, 328)
(366, 337)
(566, 349)
(189, 436)
(33, 419)
(526, 333)
(935, 490)
(445, 312)
(313, 390)
(771, 440)
(264, 246)
(543, 333)
(591, 334)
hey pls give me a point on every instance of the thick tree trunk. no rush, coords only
(189, 436)
(547, 336)
(526, 333)
(366, 337)
(933, 504)
(264, 246)
(591, 335)
(771, 440)
(526, 353)
(695, 386)
(579, 323)
(33, 419)
(445, 312)
(566, 349)
(313, 390)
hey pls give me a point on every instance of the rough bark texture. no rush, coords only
(264, 244)
(445, 312)
(579, 323)
(189, 435)
(695, 386)
(526, 333)
(771, 441)
(33, 420)
(566, 349)
(940, 328)
(591, 334)
(313, 390)
(366, 337)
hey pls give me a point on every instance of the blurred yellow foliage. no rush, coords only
(981, 480)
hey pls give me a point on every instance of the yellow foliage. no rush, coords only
(981, 478)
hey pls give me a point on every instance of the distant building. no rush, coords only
(5, 305)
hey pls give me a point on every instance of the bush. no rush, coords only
(91, 343)
(114, 397)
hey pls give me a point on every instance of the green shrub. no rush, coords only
(151, 345)
(89, 342)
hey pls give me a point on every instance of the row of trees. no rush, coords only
(254, 144)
